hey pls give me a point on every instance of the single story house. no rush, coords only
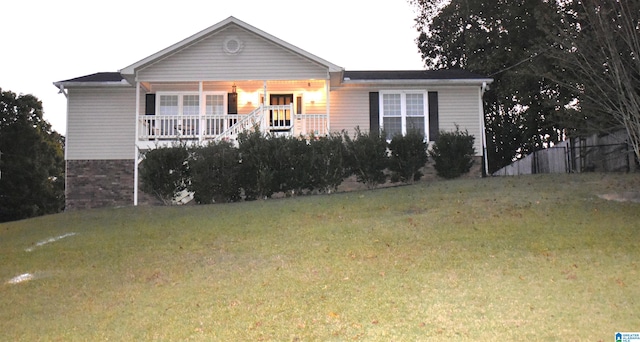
(232, 76)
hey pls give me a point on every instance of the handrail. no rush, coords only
(242, 124)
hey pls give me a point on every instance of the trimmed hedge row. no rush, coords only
(263, 165)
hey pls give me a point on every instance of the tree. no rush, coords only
(502, 39)
(598, 43)
(31, 160)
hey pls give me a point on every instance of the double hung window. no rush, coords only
(403, 111)
(174, 104)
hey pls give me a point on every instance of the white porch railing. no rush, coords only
(172, 127)
(279, 119)
(312, 124)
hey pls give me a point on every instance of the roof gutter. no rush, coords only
(481, 81)
(63, 84)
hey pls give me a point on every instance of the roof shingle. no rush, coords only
(97, 77)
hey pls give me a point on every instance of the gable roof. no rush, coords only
(131, 69)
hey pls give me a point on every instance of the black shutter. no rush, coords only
(434, 127)
(150, 104)
(232, 103)
(374, 112)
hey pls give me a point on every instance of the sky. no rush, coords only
(46, 41)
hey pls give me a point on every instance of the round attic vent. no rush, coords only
(232, 45)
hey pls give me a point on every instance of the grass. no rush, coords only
(529, 258)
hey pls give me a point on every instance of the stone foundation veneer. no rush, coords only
(99, 183)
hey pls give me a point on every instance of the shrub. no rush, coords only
(453, 153)
(214, 173)
(291, 165)
(366, 157)
(326, 159)
(165, 172)
(289, 161)
(256, 173)
(408, 156)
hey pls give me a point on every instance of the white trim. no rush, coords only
(328, 104)
(137, 152)
(483, 129)
(202, 99)
(403, 108)
(122, 83)
(202, 103)
(418, 82)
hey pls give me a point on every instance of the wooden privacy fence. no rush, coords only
(575, 155)
(551, 160)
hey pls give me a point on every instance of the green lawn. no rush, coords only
(500, 259)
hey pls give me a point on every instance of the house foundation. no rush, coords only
(99, 183)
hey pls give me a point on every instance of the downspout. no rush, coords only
(136, 150)
(66, 146)
(483, 128)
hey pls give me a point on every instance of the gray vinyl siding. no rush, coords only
(457, 106)
(349, 109)
(259, 59)
(461, 106)
(100, 123)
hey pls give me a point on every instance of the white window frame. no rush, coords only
(403, 108)
(201, 100)
(225, 107)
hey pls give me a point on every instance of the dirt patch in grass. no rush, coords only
(628, 196)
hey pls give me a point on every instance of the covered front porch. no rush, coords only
(203, 111)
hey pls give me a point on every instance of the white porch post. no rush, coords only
(203, 104)
(327, 87)
(136, 155)
(265, 120)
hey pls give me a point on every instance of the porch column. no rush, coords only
(265, 120)
(203, 109)
(328, 105)
(136, 154)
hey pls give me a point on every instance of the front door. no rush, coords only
(280, 118)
